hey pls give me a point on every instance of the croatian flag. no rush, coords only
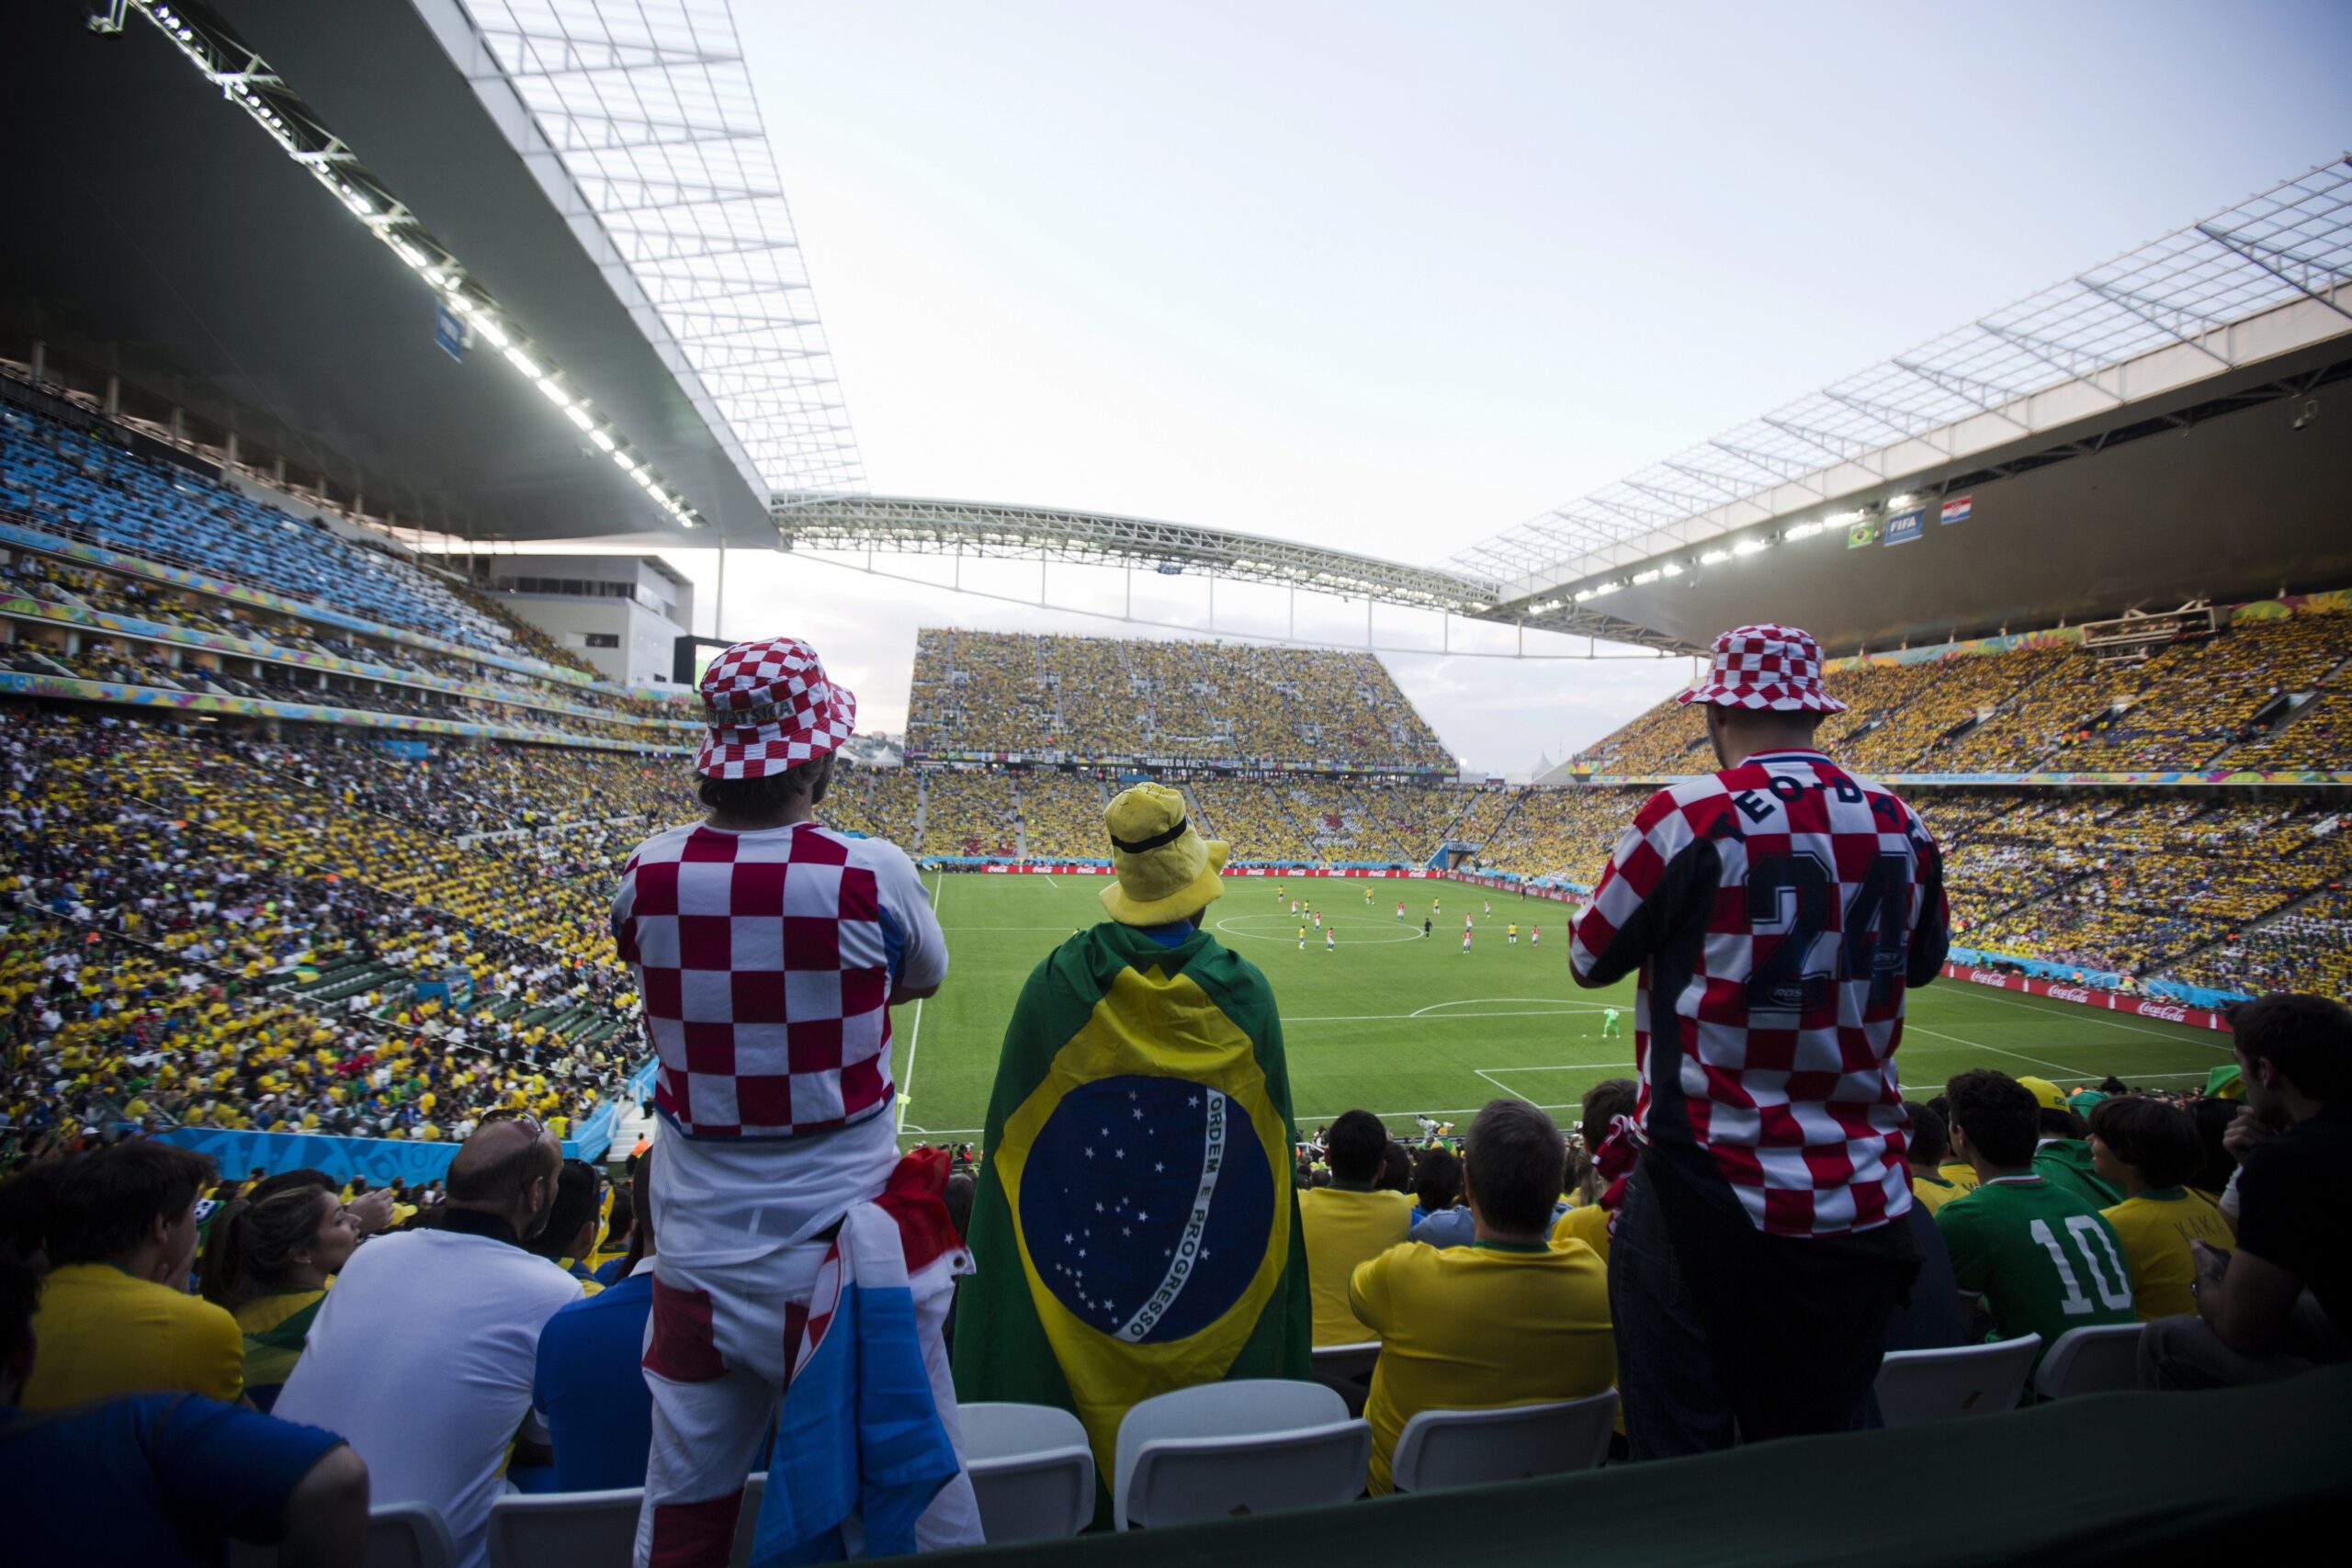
(858, 1436)
(1957, 508)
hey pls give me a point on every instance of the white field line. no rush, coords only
(1910, 1028)
(914, 1036)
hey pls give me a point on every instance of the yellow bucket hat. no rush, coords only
(1165, 869)
(2047, 1095)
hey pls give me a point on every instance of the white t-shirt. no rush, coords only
(422, 1357)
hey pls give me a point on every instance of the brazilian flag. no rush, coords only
(1135, 1227)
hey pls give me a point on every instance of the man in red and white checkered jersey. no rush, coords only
(769, 949)
(1777, 911)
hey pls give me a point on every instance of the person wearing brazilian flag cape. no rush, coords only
(1135, 1229)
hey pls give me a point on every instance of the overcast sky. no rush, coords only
(1397, 276)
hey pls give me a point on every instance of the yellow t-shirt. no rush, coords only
(1935, 1191)
(1960, 1173)
(2155, 1229)
(1479, 1327)
(101, 1332)
(1587, 1223)
(1343, 1229)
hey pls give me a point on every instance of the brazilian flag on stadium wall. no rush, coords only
(1135, 1229)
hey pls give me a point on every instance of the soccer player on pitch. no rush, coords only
(1778, 912)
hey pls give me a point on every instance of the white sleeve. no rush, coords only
(2229, 1203)
(922, 955)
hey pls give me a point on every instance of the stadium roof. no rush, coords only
(586, 183)
(2249, 287)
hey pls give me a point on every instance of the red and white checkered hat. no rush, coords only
(770, 709)
(1777, 667)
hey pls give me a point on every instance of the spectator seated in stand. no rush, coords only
(2283, 1301)
(269, 1258)
(164, 1480)
(424, 1353)
(1437, 1182)
(1588, 1220)
(1348, 1221)
(2148, 1149)
(589, 1390)
(1927, 1151)
(570, 1235)
(2028, 1255)
(116, 1317)
(1508, 1319)
(2062, 1152)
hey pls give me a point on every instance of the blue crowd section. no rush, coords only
(92, 490)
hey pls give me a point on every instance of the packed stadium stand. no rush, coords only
(997, 691)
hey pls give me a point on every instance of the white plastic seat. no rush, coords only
(1917, 1387)
(1031, 1469)
(1469, 1447)
(578, 1529)
(2102, 1359)
(400, 1535)
(1347, 1370)
(747, 1520)
(1251, 1446)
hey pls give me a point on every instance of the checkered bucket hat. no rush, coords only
(1775, 667)
(770, 708)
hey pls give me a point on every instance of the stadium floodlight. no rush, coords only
(1671, 569)
(1714, 557)
(248, 82)
(1749, 547)
(1652, 575)
(1904, 500)
(1800, 530)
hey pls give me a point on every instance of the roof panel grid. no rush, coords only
(650, 107)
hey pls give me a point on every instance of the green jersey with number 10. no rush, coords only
(2043, 1259)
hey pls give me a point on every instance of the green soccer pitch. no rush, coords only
(1397, 1025)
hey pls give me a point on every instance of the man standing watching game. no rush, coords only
(769, 950)
(1777, 911)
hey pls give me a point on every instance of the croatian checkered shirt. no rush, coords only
(1777, 911)
(766, 961)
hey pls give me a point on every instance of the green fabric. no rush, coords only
(2067, 1163)
(1068, 1029)
(2223, 1079)
(2043, 1259)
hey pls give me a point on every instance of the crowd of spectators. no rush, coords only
(1003, 692)
(970, 813)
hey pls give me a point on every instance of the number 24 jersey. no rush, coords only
(1778, 912)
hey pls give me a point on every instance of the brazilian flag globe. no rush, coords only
(1135, 1227)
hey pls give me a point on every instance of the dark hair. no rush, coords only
(640, 1197)
(1437, 1180)
(960, 1189)
(1397, 1168)
(1514, 1166)
(576, 1186)
(2159, 1140)
(2060, 1123)
(1999, 1115)
(1608, 1098)
(19, 1297)
(1356, 1147)
(620, 1221)
(2308, 1038)
(2113, 1084)
(771, 795)
(284, 1180)
(249, 1247)
(24, 1199)
(2213, 1117)
(1929, 1140)
(107, 1201)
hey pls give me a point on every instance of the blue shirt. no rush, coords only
(155, 1479)
(1456, 1227)
(591, 1391)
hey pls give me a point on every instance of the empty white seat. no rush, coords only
(400, 1535)
(578, 1529)
(2101, 1359)
(747, 1521)
(1251, 1446)
(1917, 1387)
(1469, 1447)
(1032, 1469)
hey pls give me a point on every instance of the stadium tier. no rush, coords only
(990, 692)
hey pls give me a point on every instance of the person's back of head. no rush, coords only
(508, 1168)
(2213, 1116)
(1603, 1102)
(1929, 1139)
(2157, 1141)
(1995, 1118)
(1512, 1168)
(2292, 1047)
(251, 1248)
(1397, 1168)
(1357, 1146)
(1437, 1179)
(108, 1203)
(25, 1199)
(960, 1191)
(578, 1195)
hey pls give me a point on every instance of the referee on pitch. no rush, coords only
(1778, 910)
